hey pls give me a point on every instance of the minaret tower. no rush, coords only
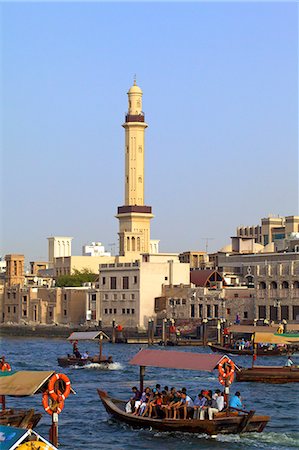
(134, 217)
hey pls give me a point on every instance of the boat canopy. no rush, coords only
(176, 360)
(12, 437)
(271, 338)
(23, 383)
(250, 329)
(87, 335)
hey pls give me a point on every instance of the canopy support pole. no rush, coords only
(101, 347)
(142, 372)
(3, 402)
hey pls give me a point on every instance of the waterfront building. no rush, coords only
(196, 260)
(271, 229)
(128, 290)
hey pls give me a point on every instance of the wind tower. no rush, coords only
(134, 217)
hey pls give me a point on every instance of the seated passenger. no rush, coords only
(289, 362)
(212, 404)
(85, 355)
(187, 405)
(199, 404)
(235, 401)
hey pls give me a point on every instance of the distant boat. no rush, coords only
(269, 374)
(230, 421)
(73, 360)
(261, 351)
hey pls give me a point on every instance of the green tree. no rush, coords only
(76, 279)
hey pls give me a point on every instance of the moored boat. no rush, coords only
(22, 418)
(229, 421)
(269, 374)
(261, 351)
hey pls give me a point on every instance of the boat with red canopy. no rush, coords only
(226, 422)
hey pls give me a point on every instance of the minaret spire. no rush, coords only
(134, 217)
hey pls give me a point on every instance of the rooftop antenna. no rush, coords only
(134, 79)
(207, 239)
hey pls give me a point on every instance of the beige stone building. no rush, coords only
(128, 290)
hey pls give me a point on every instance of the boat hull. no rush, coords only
(67, 361)
(226, 424)
(267, 374)
(261, 351)
(19, 418)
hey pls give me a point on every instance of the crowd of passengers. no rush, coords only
(177, 404)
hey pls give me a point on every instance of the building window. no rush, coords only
(115, 296)
(183, 301)
(125, 282)
(262, 312)
(106, 296)
(8, 294)
(133, 311)
(123, 311)
(178, 302)
(110, 311)
(216, 311)
(128, 311)
(25, 312)
(25, 299)
(132, 296)
(245, 314)
(228, 311)
(166, 278)
(135, 279)
(104, 281)
(209, 311)
(14, 295)
(112, 282)
(8, 309)
(14, 309)
(64, 312)
(123, 296)
(64, 297)
(236, 295)
(192, 310)
(200, 310)
(50, 312)
(93, 297)
(114, 311)
(106, 311)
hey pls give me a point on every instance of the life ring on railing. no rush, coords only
(47, 408)
(51, 386)
(6, 367)
(226, 369)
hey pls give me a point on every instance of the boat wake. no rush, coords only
(263, 440)
(97, 366)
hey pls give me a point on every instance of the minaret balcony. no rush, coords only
(135, 117)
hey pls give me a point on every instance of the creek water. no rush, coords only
(84, 423)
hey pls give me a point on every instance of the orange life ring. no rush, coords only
(47, 408)
(51, 386)
(172, 329)
(6, 367)
(226, 370)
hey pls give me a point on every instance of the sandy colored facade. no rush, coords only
(128, 290)
(67, 265)
(47, 306)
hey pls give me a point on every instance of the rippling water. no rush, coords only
(84, 424)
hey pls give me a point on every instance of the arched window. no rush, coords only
(273, 285)
(262, 285)
(128, 244)
(285, 285)
(133, 244)
(296, 284)
(138, 244)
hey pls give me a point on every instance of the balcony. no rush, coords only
(135, 118)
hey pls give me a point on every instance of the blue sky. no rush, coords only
(220, 97)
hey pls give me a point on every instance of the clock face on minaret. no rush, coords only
(134, 217)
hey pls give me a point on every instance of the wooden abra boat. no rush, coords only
(227, 422)
(261, 351)
(73, 360)
(20, 418)
(224, 423)
(269, 374)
